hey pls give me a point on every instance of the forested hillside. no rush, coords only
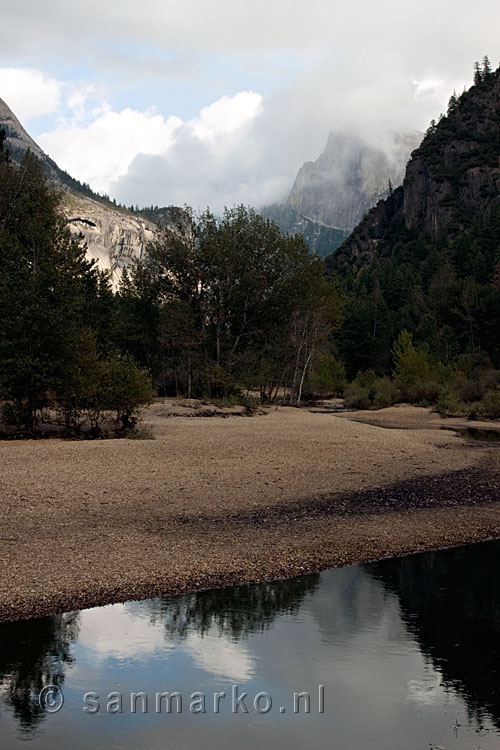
(426, 259)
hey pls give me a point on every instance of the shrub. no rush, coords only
(14, 414)
(328, 377)
(386, 393)
(450, 405)
(489, 406)
(125, 387)
(411, 363)
(424, 393)
(357, 396)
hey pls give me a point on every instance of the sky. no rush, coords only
(219, 102)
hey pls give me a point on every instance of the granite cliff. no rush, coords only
(114, 236)
(349, 177)
(332, 194)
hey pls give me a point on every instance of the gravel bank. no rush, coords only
(211, 502)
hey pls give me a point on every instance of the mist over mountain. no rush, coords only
(330, 195)
(349, 177)
(427, 257)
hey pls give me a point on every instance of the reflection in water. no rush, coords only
(450, 601)
(233, 611)
(33, 654)
(407, 650)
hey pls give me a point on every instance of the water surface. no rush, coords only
(407, 652)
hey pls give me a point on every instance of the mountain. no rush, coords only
(320, 238)
(452, 180)
(114, 235)
(349, 177)
(427, 257)
(332, 194)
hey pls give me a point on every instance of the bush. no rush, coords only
(386, 393)
(411, 363)
(125, 388)
(450, 405)
(328, 377)
(489, 406)
(423, 393)
(357, 396)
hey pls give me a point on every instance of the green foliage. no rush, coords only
(357, 396)
(42, 276)
(56, 314)
(369, 392)
(411, 364)
(489, 406)
(327, 378)
(125, 387)
(220, 305)
(386, 393)
(442, 288)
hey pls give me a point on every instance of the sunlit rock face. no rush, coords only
(18, 141)
(114, 237)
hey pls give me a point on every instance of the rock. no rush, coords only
(451, 181)
(349, 177)
(114, 236)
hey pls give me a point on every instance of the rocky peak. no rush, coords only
(452, 179)
(114, 236)
(18, 141)
(349, 177)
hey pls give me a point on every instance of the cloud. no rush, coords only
(244, 148)
(103, 150)
(214, 159)
(184, 101)
(100, 628)
(142, 636)
(30, 93)
(220, 656)
(141, 157)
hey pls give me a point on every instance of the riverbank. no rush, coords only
(212, 502)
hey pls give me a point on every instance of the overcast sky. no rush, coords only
(213, 102)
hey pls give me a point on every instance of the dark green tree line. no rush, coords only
(223, 305)
(55, 306)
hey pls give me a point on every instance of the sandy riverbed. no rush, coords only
(213, 501)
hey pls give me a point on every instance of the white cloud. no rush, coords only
(220, 656)
(227, 115)
(216, 159)
(102, 151)
(145, 158)
(301, 71)
(127, 632)
(117, 631)
(29, 93)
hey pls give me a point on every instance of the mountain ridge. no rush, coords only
(426, 259)
(452, 175)
(114, 236)
(349, 177)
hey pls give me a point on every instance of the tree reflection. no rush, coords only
(450, 601)
(34, 653)
(235, 611)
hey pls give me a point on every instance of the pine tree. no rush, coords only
(43, 272)
(486, 67)
(478, 75)
(453, 103)
(4, 153)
